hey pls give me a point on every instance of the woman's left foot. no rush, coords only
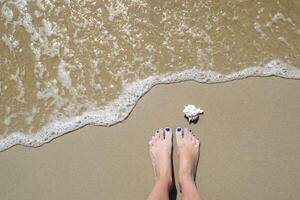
(160, 147)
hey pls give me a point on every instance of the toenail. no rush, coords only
(190, 130)
(167, 129)
(178, 129)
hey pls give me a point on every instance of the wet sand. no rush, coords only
(250, 147)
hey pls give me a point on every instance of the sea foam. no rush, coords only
(119, 109)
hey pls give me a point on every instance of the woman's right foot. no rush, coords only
(188, 152)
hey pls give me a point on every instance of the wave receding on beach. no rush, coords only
(119, 109)
(67, 64)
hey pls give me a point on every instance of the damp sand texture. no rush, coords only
(70, 63)
(250, 147)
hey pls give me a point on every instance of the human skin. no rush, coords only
(160, 147)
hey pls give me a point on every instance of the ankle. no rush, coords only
(185, 179)
(165, 181)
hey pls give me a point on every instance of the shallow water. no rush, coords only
(70, 63)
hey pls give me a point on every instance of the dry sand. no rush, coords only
(250, 147)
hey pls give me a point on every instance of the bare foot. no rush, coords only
(188, 152)
(160, 147)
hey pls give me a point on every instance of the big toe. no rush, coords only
(178, 134)
(168, 134)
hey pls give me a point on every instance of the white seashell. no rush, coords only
(192, 113)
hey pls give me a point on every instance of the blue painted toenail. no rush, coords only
(167, 129)
(178, 129)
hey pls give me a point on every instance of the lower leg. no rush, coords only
(189, 189)
(160, 148)
(161, 190)
(188, 152)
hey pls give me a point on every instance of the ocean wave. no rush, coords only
(120, 108)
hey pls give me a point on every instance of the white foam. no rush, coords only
(284, 40)
(7, 120)
(119, 109)
(67, 2)
(64, 75)
(280, 17)
(39, 70)
(40, 4)
(118, 9)
(47, 27)
(29, 119)
(257, 28)
(19, 85)
(10, 42)
(7, 13)
(51, 91)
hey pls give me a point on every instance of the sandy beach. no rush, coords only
(250, 147)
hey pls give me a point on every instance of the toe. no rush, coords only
(151, 143)
(178, 134)
(192, 136)
(152, 138)
(185, 133)
(194, 139)
(168, 134)
(197, 142)
(161, 134)
(156, 135)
